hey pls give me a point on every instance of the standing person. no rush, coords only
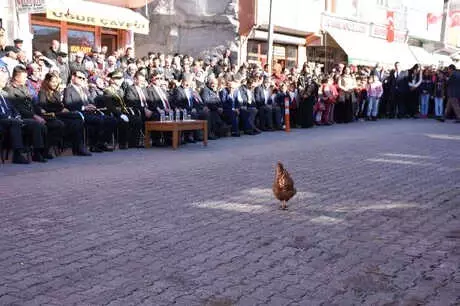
(398, 87)
(52, 52)
(439, 93)
(426, 90)
(293, 93)
(347, 85)
(308, 90)
(64, 69)
(413, 96)
(329, 95)
(375, 92)
(453, 93)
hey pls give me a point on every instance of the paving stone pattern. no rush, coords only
(376, 221)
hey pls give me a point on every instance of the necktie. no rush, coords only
(249, 93)
(141, 96)
(83, 96)
(3, 105)
(189, 97)
(163, 98)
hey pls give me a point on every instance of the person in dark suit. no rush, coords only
(211, 99)
(21, 101)
(262, 96)
(136, 97)
(128, 123)
(399, 87)
(231, 106)
(100, 127)
(248, 107)
(182, 100)
(280, 99)
(157, 98)
(14, 126)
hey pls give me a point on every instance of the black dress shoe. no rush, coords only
(82, 153)
(19, 159)
(96, 150)
(106, 148)
(37, 157)
(48, 155)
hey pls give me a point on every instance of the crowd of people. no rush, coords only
(99, 101)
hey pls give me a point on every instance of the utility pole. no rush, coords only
(270, 38)
(445, 15)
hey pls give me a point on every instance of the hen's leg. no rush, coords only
(284, 207)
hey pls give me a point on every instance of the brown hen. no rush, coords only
(283, 186)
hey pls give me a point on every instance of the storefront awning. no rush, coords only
(423, 56)
(278, 38)
(365, 50)
(442, 60)
(98, 14)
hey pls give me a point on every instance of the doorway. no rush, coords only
(109, 40)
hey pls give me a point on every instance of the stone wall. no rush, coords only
(195, 27)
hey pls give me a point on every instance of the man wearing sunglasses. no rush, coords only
(100, 127)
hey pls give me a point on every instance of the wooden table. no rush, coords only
(175, 127)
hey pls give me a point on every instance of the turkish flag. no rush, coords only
(454, 19)
(390, 26)
(432, 18)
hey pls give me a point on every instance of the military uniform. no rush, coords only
(129, 124)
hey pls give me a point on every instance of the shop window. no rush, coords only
(291, 55)
(80, 41)
(43, 36)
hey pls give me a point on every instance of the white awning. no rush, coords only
(442, 60)
(97, 14)
(278, 38)
(423, 56)
(365, 50)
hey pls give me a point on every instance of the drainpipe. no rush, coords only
(445, 15)
(270, 38)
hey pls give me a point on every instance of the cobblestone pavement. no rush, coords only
(376, 221)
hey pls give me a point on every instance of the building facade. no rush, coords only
(78, 25)
(323, 31)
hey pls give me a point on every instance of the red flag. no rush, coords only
(454, 19)
(390, 26)
(432, 18)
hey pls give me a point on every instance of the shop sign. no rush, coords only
(381, 32)
(75, 49)
(91, 18)
(31, 6)
(344, 25)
